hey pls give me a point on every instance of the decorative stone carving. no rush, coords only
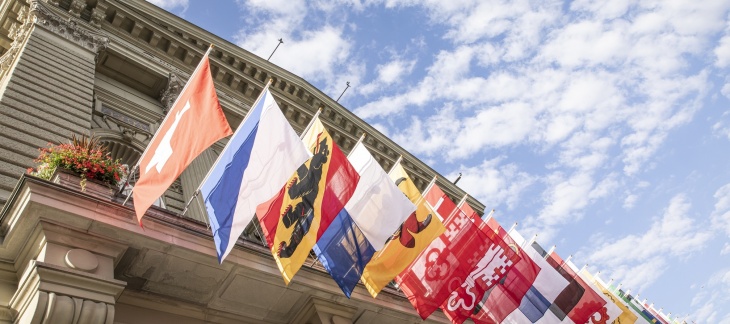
(97, 15)
(53, 308)
(68, 29)
(162, 62)
(51, 294)
(76, 7)
(19, 33)
(168, 95)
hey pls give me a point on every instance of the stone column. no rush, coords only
(70, 281)
(318, 310)
(47, 86)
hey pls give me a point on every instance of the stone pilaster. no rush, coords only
(47, 86)
(191, 179)
(71, 280)
(321, 311)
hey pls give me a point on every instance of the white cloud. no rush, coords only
(316, 52)
(721, 213)
(674, 235)
(712, 298)
(170, 4)
(630, 201)
(722, 51)
(389, 74)
(725, 249)
(494, 183)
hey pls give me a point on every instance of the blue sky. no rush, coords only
(603, 126)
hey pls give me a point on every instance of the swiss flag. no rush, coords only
(194, 123)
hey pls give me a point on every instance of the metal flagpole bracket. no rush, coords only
(185, 210)
(125, 184)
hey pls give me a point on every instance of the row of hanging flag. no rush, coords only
(363, 224)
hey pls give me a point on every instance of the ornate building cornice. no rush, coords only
(19, 33)
(67, 28)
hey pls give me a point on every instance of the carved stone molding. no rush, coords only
(51, 294)
(76, 7)
(168, 95)
(97, 15)
(53, 308)
(19, 33)
(67, 28)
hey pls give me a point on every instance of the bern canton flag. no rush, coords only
(259, 158)
(373, 213)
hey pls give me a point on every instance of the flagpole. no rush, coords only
(311, 122)
(129, 176)
(490, 215)
(197, 69)
(400, 157)
(430, 184)
(263, 91)
(552, 249)
(202, 212)
(362, 137)
(207, 175)
(462, 201)
(513, 227)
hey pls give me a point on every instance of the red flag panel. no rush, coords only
(446, 263)
(506, 296)
(578, 300)
(194, 123)
(491, 268)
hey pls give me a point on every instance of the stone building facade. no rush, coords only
(112, 68)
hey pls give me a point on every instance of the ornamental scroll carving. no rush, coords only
(67, 28)
(64, 309)
(40, 15)
(19, 33)
(168, 95)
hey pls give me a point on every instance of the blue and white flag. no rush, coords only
(260, 157)
(374, 212)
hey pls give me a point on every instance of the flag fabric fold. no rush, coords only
(194, 123)
(447, 262)
(578, 302)
(506, 297)
(616, 310)
(300, 213)
(545, 289)
(412, 236)
(528, 290)
(254, 165)
(377, 207)
(490, 269)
